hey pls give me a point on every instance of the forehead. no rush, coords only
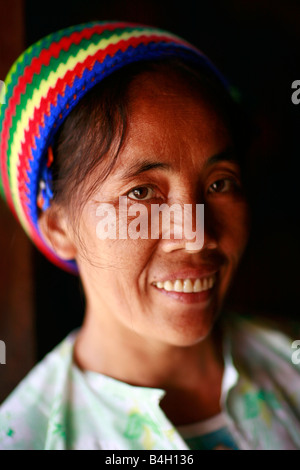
(171, 117)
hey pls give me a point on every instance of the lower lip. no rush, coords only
(189, 298)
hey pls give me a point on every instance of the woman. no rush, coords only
(103, 123)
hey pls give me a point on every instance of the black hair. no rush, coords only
(95, 130)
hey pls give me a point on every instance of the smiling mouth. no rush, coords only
(187, 286)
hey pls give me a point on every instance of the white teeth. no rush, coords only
(187, 285)
(168, 285)
(197, 286)
(178, 286)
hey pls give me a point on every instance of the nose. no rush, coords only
(171, 245)
(191, 232)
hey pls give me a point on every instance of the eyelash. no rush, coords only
(140, 187)
(233, 186)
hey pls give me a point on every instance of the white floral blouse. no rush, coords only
(58, 406)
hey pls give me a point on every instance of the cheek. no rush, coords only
(111, 237)
(116, 261)
(231, 228)
(119, 235)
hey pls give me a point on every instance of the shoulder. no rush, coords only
(24, 415)
(264, 345)
(275, 332)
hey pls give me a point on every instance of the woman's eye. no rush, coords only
(141, 194)
(222, 186)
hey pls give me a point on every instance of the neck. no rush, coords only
(191, 374)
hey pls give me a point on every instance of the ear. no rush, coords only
(54, 226)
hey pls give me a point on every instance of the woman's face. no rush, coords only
(177, 151)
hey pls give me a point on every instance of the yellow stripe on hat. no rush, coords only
(38, 94)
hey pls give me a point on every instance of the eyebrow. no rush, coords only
(142, 167)
(228, 155)
(138, 168)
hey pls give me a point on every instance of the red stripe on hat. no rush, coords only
(35, 68)
(51, 98)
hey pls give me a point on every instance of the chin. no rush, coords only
(189, 331)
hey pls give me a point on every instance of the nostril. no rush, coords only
(212, 245)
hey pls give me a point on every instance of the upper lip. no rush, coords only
(198, 273)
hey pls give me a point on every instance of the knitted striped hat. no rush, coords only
(42, 88)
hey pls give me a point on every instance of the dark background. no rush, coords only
(256, 44)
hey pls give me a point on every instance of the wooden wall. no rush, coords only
(16, 290)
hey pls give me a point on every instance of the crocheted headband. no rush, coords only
(42, 88)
